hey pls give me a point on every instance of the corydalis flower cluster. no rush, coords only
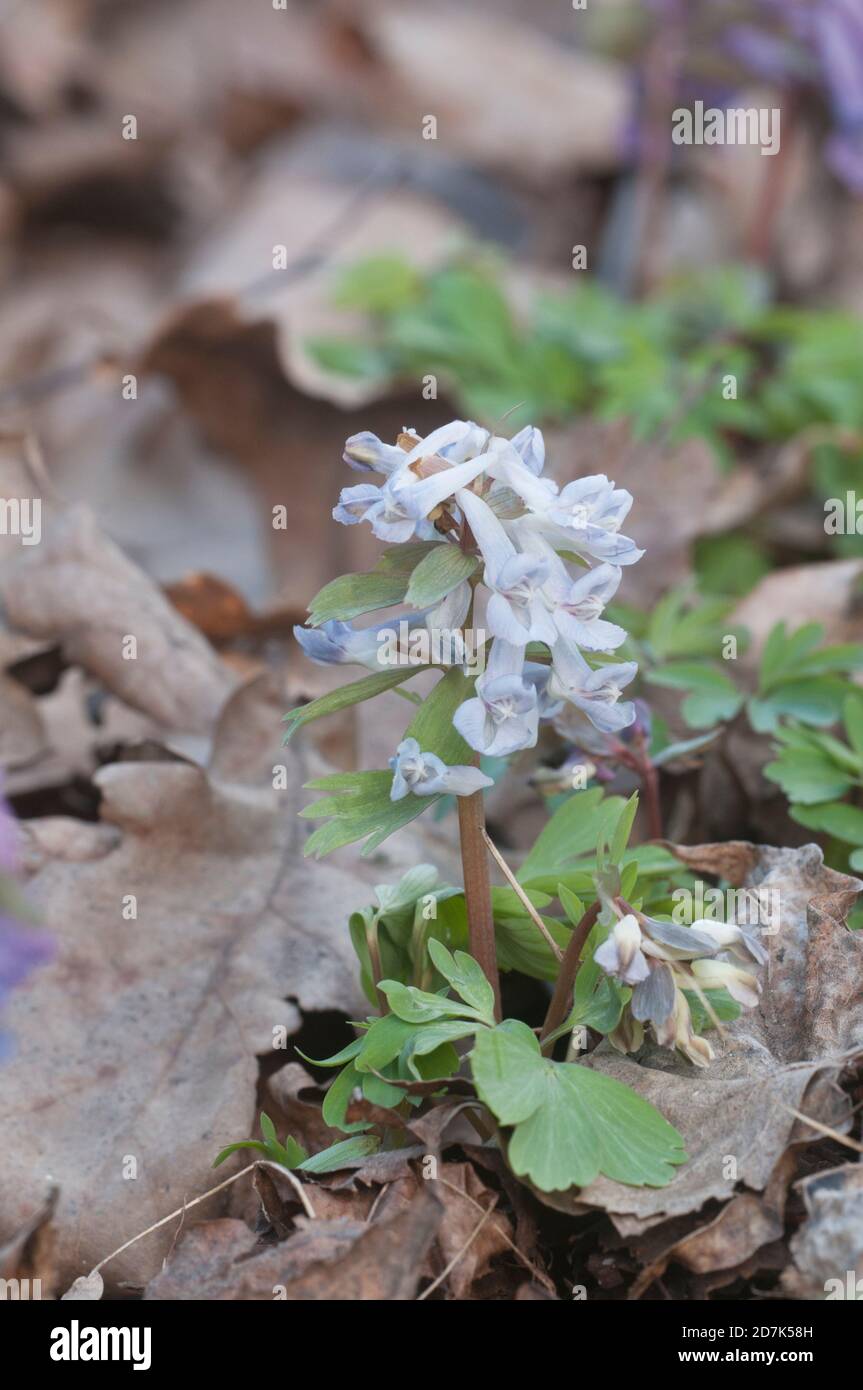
(661, 961)
(551, 560)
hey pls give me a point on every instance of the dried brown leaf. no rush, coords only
(335, 1260)
(828, 1248)
(794, 1045)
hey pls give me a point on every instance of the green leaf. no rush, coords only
(346, 695)
(294, 1152)
(361, 931)
(403, 559)
(379, 285)
(855, 860)
(817, 701)
(419, 881)
(783, 653)
(360, 807)
(466, 977)
(519, 944)
(242, 1144)
(731, 563)
(808, 778)
(268, 1129)
(771, 656)
(337, 1099)
(684, 747)
(438, 573)
(841, 657)
(521, 947)
(429, 1040)
(602, 1008)
(833, 818)
(684, 624)
(420, 1006)
(724, 1007)
(598, 1002)
(571, 1123)
(337, 1155)
(702, 710)
(573, 830)
(572, 905)
(383, 1041)
(852, 716)
(507, 1068)
(435, 1063)
(353, 594)
(623, 830)
(714, 695)
(347, 358)
(378, 1091)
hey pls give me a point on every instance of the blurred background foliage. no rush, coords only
(340, 217)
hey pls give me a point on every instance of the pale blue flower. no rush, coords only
(398, 510)
(452, 609)
(530, 446)
(456, 442)
(584, 516)
(528, 531)
(419, 496)
(355, 503)
(539, 676)
(425, 774)
(336, 643)
(508, 466)
(384, 511)
(518, 609)
(591, 501)
(620, 954)
(595, 692)
(579, 603)
(504, 715)
(365, 453)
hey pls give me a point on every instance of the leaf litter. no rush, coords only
(156, 776)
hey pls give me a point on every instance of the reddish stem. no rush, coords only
(650, 778)
(477, 889)
(560, 1000)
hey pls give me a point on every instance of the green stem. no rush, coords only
(375, 960)
(477, 889)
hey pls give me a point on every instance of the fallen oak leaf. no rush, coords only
(468, 1245)
(260, 942)
(232, 933)
(827, 1250)
(731, 1239)
(79, 589)
(338, 1260)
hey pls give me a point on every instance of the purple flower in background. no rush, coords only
(21, 948)
(8, 838)
(791, 44)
